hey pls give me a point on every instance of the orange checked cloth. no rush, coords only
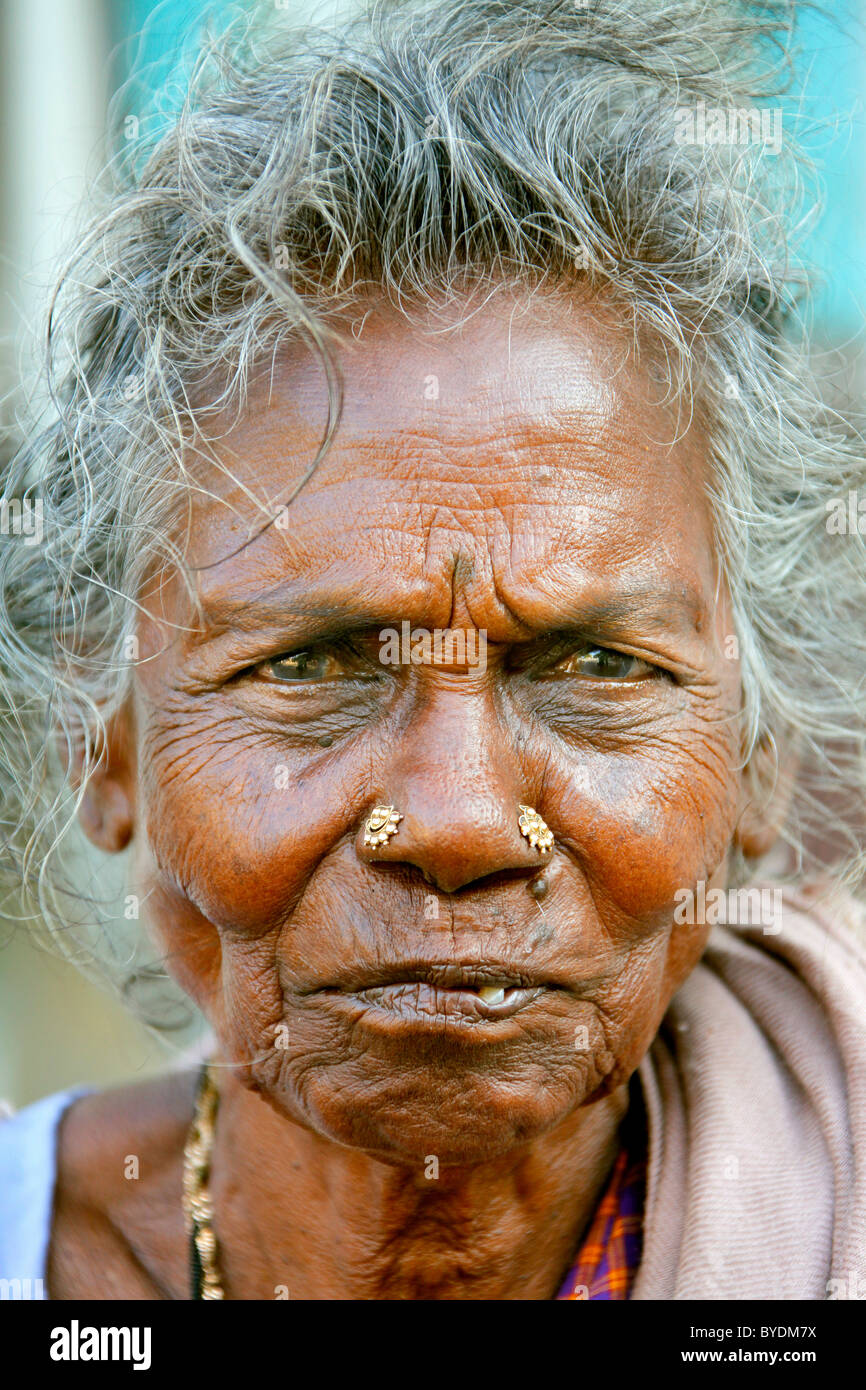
(609, 1256)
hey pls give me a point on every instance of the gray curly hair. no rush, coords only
(409, 152)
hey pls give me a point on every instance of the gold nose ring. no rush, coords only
(533, 829)
(381, 824)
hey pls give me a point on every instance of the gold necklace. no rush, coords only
(197, 1204)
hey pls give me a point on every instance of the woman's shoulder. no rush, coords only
(113, 1138)
(118, 1227)
(92, 1175)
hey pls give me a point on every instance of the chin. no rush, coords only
(454, 1110)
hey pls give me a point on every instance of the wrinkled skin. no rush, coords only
(515, 477)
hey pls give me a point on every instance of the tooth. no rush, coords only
(492, 994)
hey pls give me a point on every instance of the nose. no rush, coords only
(455, 781)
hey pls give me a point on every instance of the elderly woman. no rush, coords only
(436, 597)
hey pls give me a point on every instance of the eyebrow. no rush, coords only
(319, 613)
(646, 601)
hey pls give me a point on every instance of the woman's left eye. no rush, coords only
(601, 663)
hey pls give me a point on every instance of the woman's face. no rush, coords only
(513, 481)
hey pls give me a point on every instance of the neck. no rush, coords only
(299, 1216)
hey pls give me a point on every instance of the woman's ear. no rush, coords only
(765, 797)
(107, 810)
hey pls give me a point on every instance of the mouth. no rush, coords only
(417, 1000)
(442, 992)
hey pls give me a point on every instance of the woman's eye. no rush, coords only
(300, 666)
(306, 667)
(601, 663)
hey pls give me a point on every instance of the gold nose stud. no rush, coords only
(382, 823)
(533, 829)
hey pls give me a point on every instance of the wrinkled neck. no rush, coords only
(299, 1216)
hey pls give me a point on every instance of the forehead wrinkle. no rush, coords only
(564, 427)
(458, 572)
(505, 444)
(464, 460)
(452, 554)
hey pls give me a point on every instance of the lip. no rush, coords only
(435, 993)
(445, 975)
(417, 1000)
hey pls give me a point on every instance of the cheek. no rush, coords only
(635, 1001)
(238, 825)
(646, 823)
(641, 825)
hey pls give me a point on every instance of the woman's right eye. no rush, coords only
(302, 666)
(314, 665)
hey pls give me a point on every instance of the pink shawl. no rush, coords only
(756, 1100)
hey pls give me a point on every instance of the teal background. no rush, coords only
(830, 120)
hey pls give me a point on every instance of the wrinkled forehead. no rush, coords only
(526, 441)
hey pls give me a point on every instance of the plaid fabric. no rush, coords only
(610, 1254)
